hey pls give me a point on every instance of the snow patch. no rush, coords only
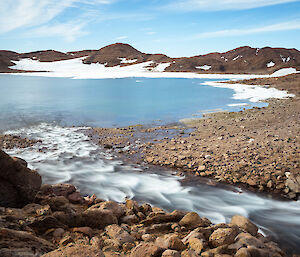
(239, 104)
(239, 56)
(74, 68)
(252, 92)
(285, 60)
(224, 58)
(270, 64)
(204, 67)
(257, 50)
(124, 60)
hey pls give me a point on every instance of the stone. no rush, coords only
(245, 224)
(21, 161)
(21, 243)
(148, 238)
(117, 209)
(196, 244)
(75, 198)
(170, 253)
(175, 216)
(223, 236)
(96, 218)
(192, 220)
(201, 168)
(119, 234)
(58, 233)
(242, 252)
(76, 251)
(18, 184)
(42, 224)
(84, 230)
(132, 205)
(192, 234)
(174, 243)
(58, 189)
(146, 250)
(129, 219)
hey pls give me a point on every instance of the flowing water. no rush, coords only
(67, 155)
(46, 108)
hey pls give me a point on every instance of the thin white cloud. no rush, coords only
(219, 5)
(150, 32)
(16, 14)
(68, 31)
(285, 26)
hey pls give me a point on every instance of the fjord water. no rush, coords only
(37, 107)
(106, 102)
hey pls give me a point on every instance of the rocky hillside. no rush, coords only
(240, 60)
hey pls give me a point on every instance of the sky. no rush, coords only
(173, 27)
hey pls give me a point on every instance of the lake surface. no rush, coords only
(26, 100)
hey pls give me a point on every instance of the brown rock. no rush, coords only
(170, 253)
(117, 209)
(192, 220)
(117, 233)
(76, 251)
(98, 218)
(245, 224)
(75, 198)
(58, 189)
(146, 250)
(84, 230)
(20, 160)
(223, 236)
(175, 216)
(242, 252)
(129, 219)
(19, 185)
(196, 244)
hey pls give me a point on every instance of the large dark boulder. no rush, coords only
(18, 184)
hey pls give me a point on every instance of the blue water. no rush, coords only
(26, 100)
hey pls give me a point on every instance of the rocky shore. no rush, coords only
(256, 148)
(56, 220)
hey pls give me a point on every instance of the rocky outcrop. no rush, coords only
(18, 184)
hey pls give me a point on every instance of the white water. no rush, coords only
(67, 155)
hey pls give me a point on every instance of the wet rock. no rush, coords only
(175, 216)
(242, 252)
(245, 224)
(98, 218)
(129, 219)
(19, 185)
(196, 244)
(75, 198)
(76, 251)
(58, 189)
(148, 238)
(146, 250)
(192, 220)
(21, 161)
(293, 182)
(42, 224)
(223, 236)
(58, 233)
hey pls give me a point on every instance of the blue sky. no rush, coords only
(176, 28)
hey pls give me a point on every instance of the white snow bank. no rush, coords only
(238, 104)
(124, 60)
(251, 92)
(204, 67)
(270, 64)
(74, 68)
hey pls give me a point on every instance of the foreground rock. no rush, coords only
(18, 184)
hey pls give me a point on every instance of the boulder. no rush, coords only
(170, 253)
(18, 184)
(117, 209)
(192, 220)
(119, 234)
(223, 236)
(174, 216)
(146, 250)
(245, 224)
(96, 218)
(21, 243)
(196, 244)
(58, 189)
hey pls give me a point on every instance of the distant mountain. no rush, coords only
(240, 60)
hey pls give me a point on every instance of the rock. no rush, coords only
(146, 250)
(175, 216)
(170, 253)
(21, 243)
(42, 224)
(57, 203)
(245, 224)
(196, 244)
(293, 182)
(117, 233)
(132, 205)
(192, 220)
(129, 219)
(84, 230)
(158, 228)
(96, 218)
(58, 189)
(193, 234)
(223, 236)
(170, 242)
(19, 185)
(201, 168)
(21, 161)
(75, 198)
(76, 251)
(117, 209)
(148, 237)
(242, 252)
(37, 209)
(58, 233)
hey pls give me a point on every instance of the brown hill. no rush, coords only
(240, 60)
